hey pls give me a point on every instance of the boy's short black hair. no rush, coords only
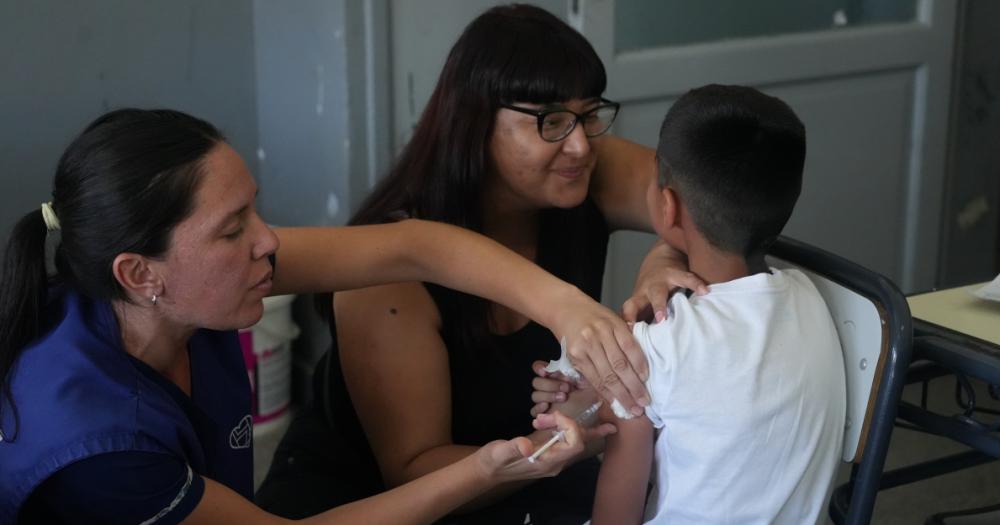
(734, 156)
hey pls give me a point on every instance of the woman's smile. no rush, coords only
(572, 172)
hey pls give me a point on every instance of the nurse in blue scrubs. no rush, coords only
(123, 395)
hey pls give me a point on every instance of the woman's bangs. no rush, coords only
(551, 72)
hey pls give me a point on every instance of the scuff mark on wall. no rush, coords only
(981, 94)
(320, 88)
(973, 212)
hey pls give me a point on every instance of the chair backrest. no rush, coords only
(876, 334)
(861, 327)
(865, 321)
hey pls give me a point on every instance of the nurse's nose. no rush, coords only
(266, 242)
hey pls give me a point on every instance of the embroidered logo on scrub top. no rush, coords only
(242, 434)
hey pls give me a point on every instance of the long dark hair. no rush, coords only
(511, 53)
(121, 186)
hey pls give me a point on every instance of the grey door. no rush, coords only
(869, 79)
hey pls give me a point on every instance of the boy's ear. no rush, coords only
(136, 277)
(671, 208)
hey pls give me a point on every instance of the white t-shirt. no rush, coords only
(749, 396)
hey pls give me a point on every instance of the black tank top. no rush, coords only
(491, 383)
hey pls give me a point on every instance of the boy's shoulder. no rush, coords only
(728, 310)
(742, 290)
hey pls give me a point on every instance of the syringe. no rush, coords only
(559, 434)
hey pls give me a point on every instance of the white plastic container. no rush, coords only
(267, 352)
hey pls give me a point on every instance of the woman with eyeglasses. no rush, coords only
(512, 144)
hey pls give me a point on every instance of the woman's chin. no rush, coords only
(570, 199)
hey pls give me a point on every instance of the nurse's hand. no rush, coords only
(601, 347)
(594, 431)
(503, 461)
(663, 272)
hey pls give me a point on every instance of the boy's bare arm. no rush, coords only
(624, 477)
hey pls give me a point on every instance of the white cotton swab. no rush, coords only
(562, 364)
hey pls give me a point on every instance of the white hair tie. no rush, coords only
(51, 220)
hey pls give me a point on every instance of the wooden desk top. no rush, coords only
(958, 310)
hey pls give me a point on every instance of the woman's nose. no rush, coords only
(576, 143)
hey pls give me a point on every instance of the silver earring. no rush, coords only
(154, 299)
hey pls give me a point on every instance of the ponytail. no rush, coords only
(25, 289)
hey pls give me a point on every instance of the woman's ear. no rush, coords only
(135, 275)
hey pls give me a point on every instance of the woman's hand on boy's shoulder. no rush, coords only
(663, 272)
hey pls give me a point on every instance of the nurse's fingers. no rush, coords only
(599, 357)
(632, 351)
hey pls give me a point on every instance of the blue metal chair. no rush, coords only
(873, 322)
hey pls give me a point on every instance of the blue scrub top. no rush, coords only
(83, 401)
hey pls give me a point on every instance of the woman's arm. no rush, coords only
(396, 369)
(599, 343)
(418, 502)
(622, 177)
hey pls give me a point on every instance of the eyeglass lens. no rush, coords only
(558, 124)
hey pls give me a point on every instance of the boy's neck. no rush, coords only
(715, 266)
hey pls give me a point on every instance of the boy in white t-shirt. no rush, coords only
(747, 382)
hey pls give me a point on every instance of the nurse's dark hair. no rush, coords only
(121, 186)
(510, 53)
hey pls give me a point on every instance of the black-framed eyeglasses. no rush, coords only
(557, 123)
